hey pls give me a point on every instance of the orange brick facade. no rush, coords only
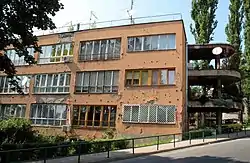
(163, 95)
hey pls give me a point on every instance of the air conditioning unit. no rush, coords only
(66, 128)
(67, 59)
(190, 66)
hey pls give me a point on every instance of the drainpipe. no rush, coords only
(186, 106)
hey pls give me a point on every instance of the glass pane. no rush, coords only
(61, 81)
(117, 47)
(86, 79)
(161, 114)
(83, 110)
(155, 77)
(89, 46)
(115, 78)
(152, 113)
(154, 42)
(75, 115)
(171, 42)
(107, 78)
(129, 76)
(66, 49)
(45, 111)
(146, 43)
(93, 78)
(97, 116)
(131, 44)
(171, 76)
(83, 51)
(51, 111)
(43, 80)
(144, 76)
(136, 77)
(59, 50)
(138, 43)
(49, 80)
(164, 76)
(67, 79)
(126, 113)
(171, 114)
(103, 47)
(144, 113)
(33, 110)
(96, 47)
(163, 42)
(39, 111)
(105, 115)
(135, 114)
(55, 79)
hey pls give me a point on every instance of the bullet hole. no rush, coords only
(100, 100)
(144, 62)
(170, 102)
(141, 131)
(89, 95)
(178, 57)
(177, 99)
(152, 61)
(157, 61)
(176, 90)
(107, 101)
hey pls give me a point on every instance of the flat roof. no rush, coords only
(204, 51)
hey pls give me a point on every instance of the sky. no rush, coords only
(79, 11)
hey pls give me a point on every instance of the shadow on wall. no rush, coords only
(202, 159)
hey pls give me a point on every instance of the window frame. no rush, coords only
(112, 88)
(20, 61)
(132, 39)
(26, 90)
(93, 121)
(22, 114)
(60, 57)
(65, 87)
(150, 77)
(35, 117)
(84, 56)
(138, 121)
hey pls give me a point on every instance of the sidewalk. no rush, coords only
(128, 153)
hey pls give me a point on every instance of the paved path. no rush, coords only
(127, 153)
(236, 151)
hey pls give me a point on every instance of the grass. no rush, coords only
(153, 143)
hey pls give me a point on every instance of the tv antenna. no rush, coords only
(130, 14)
(94, 18)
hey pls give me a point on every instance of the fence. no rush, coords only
(111, 23)
(82, 149)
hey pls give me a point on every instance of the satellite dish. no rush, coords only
(217, 51)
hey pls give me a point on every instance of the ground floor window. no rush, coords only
(149, 113)
(94, 116)
(48, 114)
(12, 110)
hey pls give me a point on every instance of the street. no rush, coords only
(236, 151)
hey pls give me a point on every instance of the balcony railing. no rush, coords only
(111, 23)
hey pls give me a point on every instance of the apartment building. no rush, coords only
(131, 78)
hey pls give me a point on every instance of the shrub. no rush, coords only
(197, 134)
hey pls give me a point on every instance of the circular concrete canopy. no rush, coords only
(205, 51)
(210, 77)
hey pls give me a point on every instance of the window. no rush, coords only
(97, 82)
(12, 110)
(14, 57)
(55, 53)
(94, 116)
(48, 114)
(100, 50)
(155, 42)
(52, 83)
(23, 82)
(150, 77)
(149, 114)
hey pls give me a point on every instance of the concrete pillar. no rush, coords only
(219, 120)
(219, 112)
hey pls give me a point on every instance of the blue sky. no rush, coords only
(79, 11)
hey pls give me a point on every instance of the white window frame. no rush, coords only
(149, 107)
(47, 60)
(23, 110)
(99, 55)
(150, 40)
(16, 60)
(57, 86)
(35, 118)
(9, 90)
(82, 76)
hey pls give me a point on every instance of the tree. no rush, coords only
(233, 32)
(18, 18)
(203, 15)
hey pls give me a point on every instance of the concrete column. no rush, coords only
(219, 112)
(219, 120)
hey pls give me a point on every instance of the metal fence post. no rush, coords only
(228, 132)
(109, 146)
(158, 142)
(79, 153)
(174, 140)
(245, 128)
(133, 145)
(237, 133)
(203, 136)
(189, 133)
(45, 155)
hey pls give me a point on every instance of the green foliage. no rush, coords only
(17, 21)
(233, 31)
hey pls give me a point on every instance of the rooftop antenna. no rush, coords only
(92, 15)
(130, 14)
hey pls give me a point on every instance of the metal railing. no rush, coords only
(111, 23)
(81, 148)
